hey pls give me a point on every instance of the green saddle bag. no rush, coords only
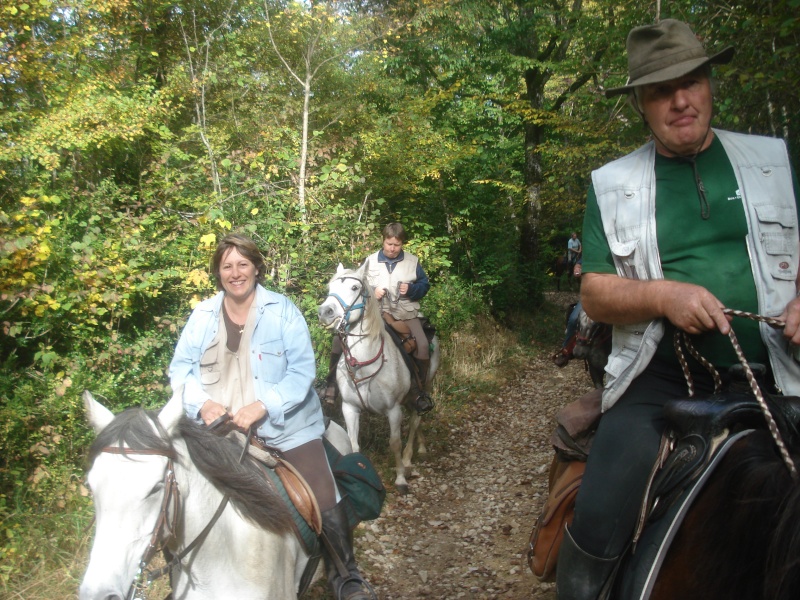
(359, 482)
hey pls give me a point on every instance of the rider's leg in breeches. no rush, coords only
(420, 398)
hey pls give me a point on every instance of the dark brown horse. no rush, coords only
(560, 266)
(741, 537)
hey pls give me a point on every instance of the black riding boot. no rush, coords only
(581, 576)
(331, 389)
(340, 561)
(420, 399)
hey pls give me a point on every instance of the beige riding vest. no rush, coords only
(404, 271)
(626, 189)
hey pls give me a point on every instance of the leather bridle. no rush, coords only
(343, 331)
(166, 523)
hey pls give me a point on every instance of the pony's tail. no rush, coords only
(783, 559)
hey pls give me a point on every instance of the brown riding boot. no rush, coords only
(340, 562)
(420, 399)
(331, 391)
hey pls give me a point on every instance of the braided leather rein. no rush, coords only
(771, 424)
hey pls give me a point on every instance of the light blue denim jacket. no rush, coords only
(625, 191)
(281, 361)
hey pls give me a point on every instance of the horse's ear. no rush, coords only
(97, 414)
(340, 268)
(172, 411)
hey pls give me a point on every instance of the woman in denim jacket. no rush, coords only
(247, 353)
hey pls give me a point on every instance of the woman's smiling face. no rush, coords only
(237, 275)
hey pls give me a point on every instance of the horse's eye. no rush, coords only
(355, 287)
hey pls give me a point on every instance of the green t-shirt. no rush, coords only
(710, 252)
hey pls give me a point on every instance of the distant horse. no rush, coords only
(560, 266)
(593, 345)
(371, 374)
(161, 481)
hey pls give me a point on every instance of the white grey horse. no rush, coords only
(371, 373)
(150, 494)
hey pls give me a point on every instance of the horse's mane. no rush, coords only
(217, 458)
(138, 430)
(372, 319)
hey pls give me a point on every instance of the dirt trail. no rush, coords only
(463, 530)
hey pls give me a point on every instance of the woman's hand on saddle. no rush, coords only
(791, 316)
(211, 411)
(248, 415)
(693, 308)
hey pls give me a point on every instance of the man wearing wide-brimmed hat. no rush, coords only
(695, 221)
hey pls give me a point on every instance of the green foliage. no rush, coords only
(451, 304)
(134, 135)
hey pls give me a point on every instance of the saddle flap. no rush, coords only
(644, 564)
(557, 513)
(300, 494)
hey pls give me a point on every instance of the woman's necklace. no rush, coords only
(240, 326)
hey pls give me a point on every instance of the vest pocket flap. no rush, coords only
(623, 249)
(776, 214)
(778, 243)
(209, 364)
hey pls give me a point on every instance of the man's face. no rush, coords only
(679, 113)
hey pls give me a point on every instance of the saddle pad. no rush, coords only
(307, 536)
(639, 574)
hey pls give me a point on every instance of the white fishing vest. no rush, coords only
(404, 272)
(625, 191)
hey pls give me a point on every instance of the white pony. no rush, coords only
(149, 493)
(371, 373)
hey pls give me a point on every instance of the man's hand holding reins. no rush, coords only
(791, 316)
(608, 298)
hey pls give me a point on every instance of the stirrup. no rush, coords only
(365, 593)
(422, 403)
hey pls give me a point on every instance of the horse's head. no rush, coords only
(130, 470)
(349, 299)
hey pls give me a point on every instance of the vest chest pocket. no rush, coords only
(272, 360)
(628, 259)
(778, 238)
(210, 367)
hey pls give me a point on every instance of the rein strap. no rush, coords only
(682, 336)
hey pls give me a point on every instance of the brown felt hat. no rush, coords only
(665, 51)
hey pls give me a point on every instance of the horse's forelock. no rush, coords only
(136, 429)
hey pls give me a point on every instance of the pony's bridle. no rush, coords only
(166, 523)
(343, 331)
(350, 308)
